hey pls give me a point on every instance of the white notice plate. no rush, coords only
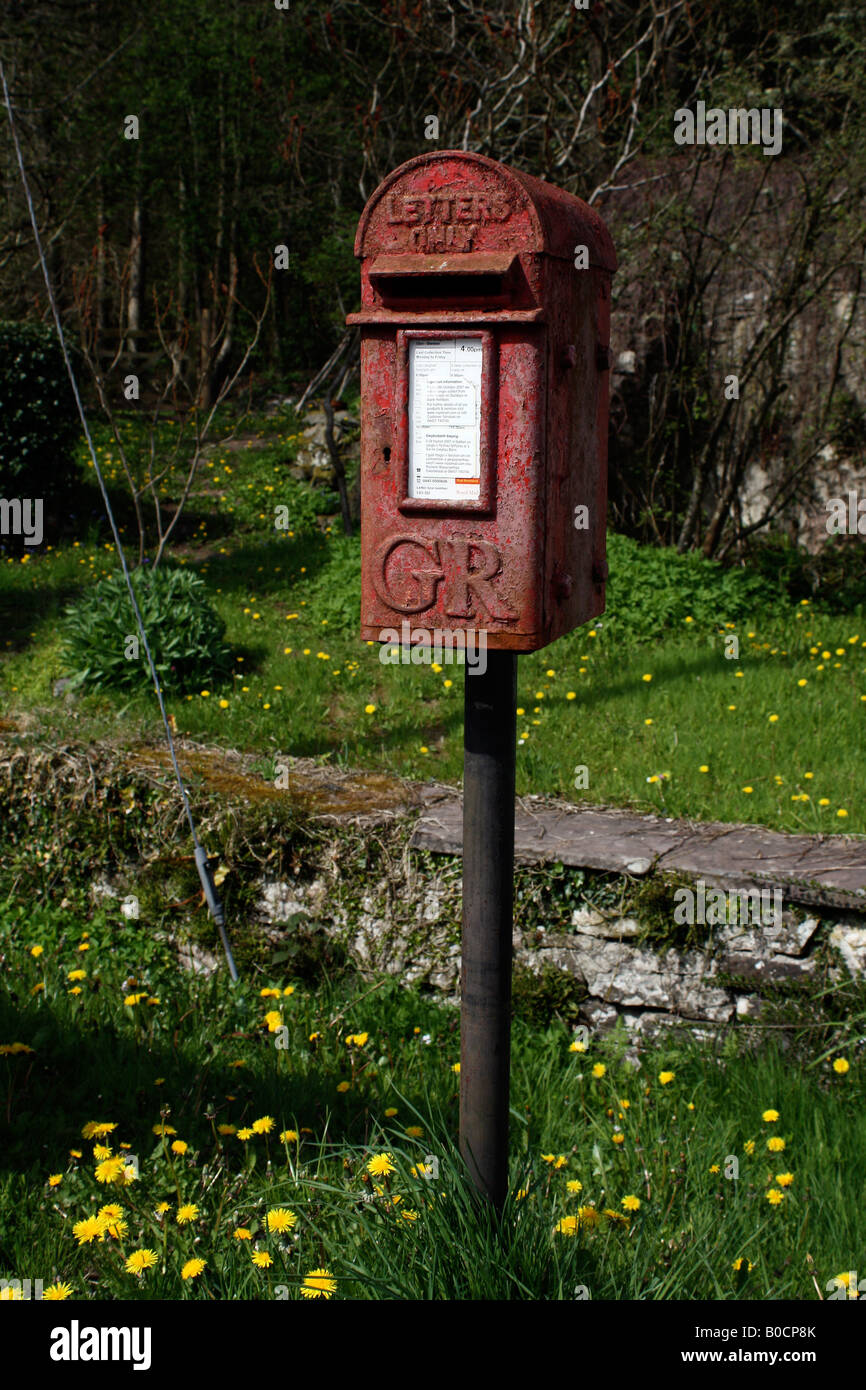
(445, 419)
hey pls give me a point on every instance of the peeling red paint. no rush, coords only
(454, 244)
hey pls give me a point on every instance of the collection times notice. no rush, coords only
(445, 419)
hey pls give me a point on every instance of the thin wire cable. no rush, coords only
(201, 858)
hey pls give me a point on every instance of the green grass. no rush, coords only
(304, 684)
(202, 1057)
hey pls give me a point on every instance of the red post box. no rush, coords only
(485, 313)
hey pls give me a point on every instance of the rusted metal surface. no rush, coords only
(478, 532)
(456, 240)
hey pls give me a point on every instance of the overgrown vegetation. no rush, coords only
(101, 643)
(702, 691)
(39, 422)
(279, 1129)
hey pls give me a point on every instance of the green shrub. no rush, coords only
(335, 590)
(832, 577)
(652, 589)
(39, 422)
(310, 954)
(537, 997)
(184, 633)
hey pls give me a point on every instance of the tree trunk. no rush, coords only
(136, 279)
(204, 401)
(338, 467)
(99, 320)
(182, 266)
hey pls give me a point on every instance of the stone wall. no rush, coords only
(612, 965)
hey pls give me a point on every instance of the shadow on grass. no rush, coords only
(81, 1073)
(255, 562)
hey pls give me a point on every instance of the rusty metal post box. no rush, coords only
(484, 318)
(485, 313)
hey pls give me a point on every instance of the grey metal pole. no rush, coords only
(489, 739)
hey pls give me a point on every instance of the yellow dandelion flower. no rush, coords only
(192, 1269)
(91, 1228)
(114, 1226)
(281, 1219)
(56, 1292)
(139, 1261)
(615, 1216)
(110, 1170)
(319, 1283)
(381, 1164)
